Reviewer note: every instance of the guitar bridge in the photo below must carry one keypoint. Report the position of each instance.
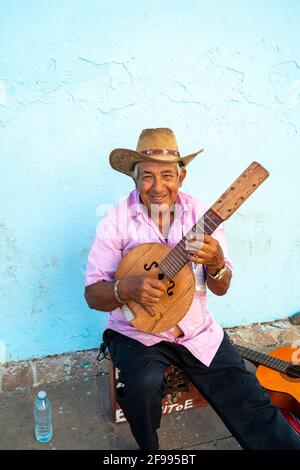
(150, 311)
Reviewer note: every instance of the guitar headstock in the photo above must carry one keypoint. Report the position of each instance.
(240, 190)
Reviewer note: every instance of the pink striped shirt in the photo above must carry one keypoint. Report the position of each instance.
(128, 225)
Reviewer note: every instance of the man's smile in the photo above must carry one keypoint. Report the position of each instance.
(157, 199)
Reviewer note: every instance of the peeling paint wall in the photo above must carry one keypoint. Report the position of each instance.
(78, 79)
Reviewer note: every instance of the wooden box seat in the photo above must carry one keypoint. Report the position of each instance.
(181, 393)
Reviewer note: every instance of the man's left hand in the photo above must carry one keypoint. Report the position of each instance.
(210, 253)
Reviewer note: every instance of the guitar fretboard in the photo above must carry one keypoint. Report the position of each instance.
(179, 256)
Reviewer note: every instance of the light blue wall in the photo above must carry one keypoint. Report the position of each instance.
(79, 78)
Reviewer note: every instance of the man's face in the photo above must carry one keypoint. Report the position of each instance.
(158, 184)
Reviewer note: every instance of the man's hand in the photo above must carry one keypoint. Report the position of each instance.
(209, 253)
(146, 291)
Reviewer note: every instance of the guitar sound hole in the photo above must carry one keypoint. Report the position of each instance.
(172, 285)
(147, 267)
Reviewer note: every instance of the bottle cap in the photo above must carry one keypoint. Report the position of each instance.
(42, 395)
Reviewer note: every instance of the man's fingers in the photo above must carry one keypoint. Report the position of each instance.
(150, 300)
(194, 243)
(197, 260)
(199, 253)
(156, 293)
(157, 285)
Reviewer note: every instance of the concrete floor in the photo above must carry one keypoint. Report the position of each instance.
(82, 420)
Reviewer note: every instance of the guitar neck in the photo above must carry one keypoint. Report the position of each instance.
(221, 210)
(263, 359)
(179, 256)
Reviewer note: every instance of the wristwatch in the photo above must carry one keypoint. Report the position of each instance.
(219, 274)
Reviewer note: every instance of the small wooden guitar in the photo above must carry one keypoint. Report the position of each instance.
(279, 373)
(171, 265)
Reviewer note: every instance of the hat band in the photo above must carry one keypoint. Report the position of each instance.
(161, 152)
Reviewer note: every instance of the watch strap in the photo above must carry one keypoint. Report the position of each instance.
(219, 274)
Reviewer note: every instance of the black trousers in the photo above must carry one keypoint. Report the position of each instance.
(232, 390)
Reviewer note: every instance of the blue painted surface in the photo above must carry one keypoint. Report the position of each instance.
(78, 79)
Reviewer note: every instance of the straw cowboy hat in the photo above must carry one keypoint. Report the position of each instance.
(157, 145)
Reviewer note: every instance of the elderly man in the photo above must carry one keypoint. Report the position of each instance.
(156, 211)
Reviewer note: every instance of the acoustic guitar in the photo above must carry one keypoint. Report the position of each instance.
(172, 266)
(279, 373)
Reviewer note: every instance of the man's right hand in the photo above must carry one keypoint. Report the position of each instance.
(146, 291)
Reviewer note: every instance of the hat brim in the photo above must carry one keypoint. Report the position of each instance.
(124, 160)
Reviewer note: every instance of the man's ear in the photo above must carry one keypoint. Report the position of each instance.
(182, 176)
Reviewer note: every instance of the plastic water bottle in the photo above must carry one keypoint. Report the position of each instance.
(43, 418)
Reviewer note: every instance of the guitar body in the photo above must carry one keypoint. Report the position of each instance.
(143, 261)
(283, 389)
